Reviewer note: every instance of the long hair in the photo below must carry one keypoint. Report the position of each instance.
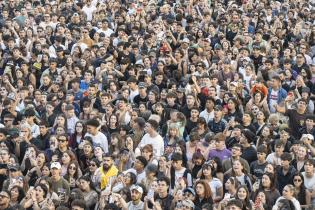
(208, 192)
(246, 202)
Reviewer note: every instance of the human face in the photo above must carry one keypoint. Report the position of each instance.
(237, 166)
(297, 180)
(269, 168)
(162, 186)
(39, 192)
(62, 141)
(177, 164)
(91, 129)
(40, 159)
(236, 151)
(4, 198)
(65, 158)
(287, 192)
(107, 162)
(265, 181)
(309, 168)
(45, 171)
(84, 185)
(87, 149)
(135, 195)
(200, 189)
(242, 194)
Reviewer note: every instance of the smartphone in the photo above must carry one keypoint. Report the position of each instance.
(150, 194)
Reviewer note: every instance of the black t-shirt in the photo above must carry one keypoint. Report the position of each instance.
(257, 169)
(165, 202)
(296, 122)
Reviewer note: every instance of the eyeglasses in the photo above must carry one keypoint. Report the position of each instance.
(72, 167)
(62, 140)
(297, 180)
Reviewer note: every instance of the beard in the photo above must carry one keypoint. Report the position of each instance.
(106, 167)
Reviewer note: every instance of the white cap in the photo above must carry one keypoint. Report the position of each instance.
(55, 165)
(136, 187)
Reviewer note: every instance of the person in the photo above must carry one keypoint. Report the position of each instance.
(249, 152)
(5, 200)
(234, 205)
(163, 194)
(153, 138)
(257, 167)
(236, 155)
(97, 136)
(203, 193)
(285, 171)
(288, 193)
(59, 184)
(136, 202)
(178, 170)
(106, 171)
(220, 150)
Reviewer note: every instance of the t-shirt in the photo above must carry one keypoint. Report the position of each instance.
(99, 139)
(215, 185)
(156, 142)
(222, 154)
(60, 186)
(273, 100)
(309, 182)
(132, 206)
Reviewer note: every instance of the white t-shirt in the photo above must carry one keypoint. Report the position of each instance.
(309, 182)
(156, 142)
(89, 12)
(100, 139)
(133, 94)
(273, 100)
(207, 115)
(215, 184)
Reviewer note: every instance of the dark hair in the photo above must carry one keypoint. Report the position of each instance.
(246, 202)
(79, 203)
(44, 188)
(21, 192)
(164, 179)
(154, 124)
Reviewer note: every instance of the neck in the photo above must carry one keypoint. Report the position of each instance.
(163, 194)
(136, 202)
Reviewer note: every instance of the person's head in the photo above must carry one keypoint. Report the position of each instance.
(288, 191)
(286, 158)
(78, 205)
(130, 178)
(219, 141)
(309, 166)
(177, 161)
(268, 181)
(136, 192)
(231, 184)
(55, 169)
(108, 161)
(247, 137)
(17, 193)
(41, 191)
(298, 180)
(237, 150)
(242, 193)
(4, 198)
(262, 152)
(203, 189)
(189, 193)
(234, 204)
(140, 163)
(85, 183)
(279, 147)
(163, 184)
(151, 126)
(147, 151)
(92, 126)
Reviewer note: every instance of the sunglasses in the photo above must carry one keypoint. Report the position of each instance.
(297, 180)
(62, 140)
(72, 167)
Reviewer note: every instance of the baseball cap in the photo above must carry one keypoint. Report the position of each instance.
(14, 167)
(136, 187)
(141, 85)
(55, 165)
(190, 190)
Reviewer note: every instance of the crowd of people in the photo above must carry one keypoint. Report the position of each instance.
(157, 104)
